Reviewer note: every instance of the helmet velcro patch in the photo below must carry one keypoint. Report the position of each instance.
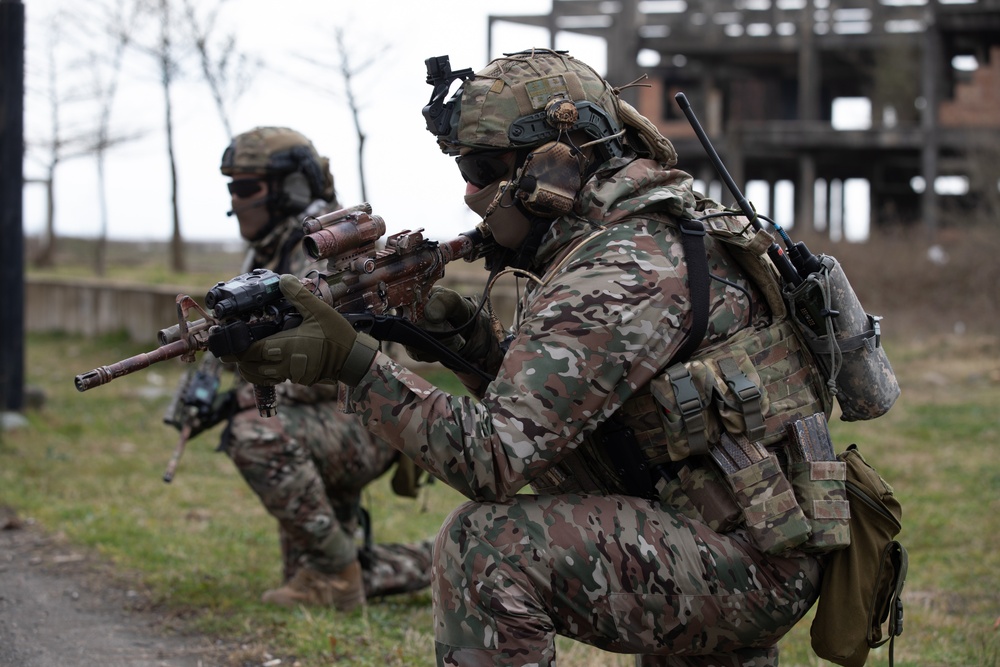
(540, 91)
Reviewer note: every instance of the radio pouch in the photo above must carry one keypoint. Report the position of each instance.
(859, 606)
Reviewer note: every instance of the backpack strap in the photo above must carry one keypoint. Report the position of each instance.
(693, 241)
(893, 565)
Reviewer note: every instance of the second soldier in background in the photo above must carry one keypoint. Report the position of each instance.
(309, 464)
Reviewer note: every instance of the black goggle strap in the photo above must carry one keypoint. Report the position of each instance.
(482, 168)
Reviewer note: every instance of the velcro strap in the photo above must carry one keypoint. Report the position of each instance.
(359, 359)
(821, 345)
(891, 577)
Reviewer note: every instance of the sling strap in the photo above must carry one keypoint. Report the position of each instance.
(693, 241)
(618, 440)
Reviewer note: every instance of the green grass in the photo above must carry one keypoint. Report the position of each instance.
(89, 466)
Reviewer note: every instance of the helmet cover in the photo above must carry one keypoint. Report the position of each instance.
(278, 151)
(505, 103)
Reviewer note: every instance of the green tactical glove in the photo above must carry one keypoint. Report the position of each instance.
(324, 348)
(447, 310)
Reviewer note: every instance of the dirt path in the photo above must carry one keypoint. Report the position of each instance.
(60, 607)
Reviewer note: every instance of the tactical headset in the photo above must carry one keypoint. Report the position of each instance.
(304, 181)
(550, 175)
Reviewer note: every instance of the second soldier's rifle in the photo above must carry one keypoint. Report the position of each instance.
(196, 406)
(380, 291)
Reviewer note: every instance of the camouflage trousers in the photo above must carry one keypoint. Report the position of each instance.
(309, 466)
(616, 572)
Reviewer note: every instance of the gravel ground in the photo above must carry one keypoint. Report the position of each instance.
(61, 607)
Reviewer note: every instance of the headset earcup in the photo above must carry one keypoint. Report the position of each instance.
(296, 191)
(550, 180)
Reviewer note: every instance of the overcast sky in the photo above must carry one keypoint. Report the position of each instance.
(410, 182)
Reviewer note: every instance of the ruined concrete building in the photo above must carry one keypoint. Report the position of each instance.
(766, 77)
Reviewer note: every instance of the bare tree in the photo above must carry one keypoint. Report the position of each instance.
(225, 70)
(349, 71)
(167, 60)
(62, 140)
(164, 46)
(117, 25)
(179, 34)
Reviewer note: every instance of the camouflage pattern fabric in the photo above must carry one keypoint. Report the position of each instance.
(511, 87)
(582, 560)
(309, 465)
(616, 572)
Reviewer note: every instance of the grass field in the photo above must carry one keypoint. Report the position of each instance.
(89, 467)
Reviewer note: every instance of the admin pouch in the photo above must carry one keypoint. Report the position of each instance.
(859, 606)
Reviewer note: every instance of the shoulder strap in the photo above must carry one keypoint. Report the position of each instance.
(618, 440)
(693, 241)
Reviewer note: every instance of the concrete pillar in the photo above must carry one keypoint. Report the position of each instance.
(929, 122)
(623, 49)
(805, 194)
(809, 69)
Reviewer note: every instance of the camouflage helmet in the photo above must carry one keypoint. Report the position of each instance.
(518, 101)
(505, 105)
(276, 152)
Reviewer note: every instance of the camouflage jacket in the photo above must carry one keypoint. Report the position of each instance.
(609, 313)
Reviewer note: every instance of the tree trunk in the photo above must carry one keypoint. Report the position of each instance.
(47, 254)
(176, 242)
(166, 77)
(101, 251)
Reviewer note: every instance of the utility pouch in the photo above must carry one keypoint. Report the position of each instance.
(859, 606)
(752, 385)
(699, 493)
(818, 480)
(771, 512)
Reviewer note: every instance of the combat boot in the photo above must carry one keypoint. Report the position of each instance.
(342, 590)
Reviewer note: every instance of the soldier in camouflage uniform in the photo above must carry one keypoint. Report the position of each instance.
(309, 464)
(584, 202)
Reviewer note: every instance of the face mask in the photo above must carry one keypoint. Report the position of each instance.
(506, 222)
(250, 207)
(254, 220)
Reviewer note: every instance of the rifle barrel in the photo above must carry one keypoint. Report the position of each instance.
(105, 374)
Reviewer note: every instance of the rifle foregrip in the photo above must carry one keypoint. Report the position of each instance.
(267, 399)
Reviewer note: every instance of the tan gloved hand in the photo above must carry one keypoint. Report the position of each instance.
(447, 310)
(324, 348)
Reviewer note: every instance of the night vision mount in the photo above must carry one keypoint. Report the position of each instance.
(436, 112)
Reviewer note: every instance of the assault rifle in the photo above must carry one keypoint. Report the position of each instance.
(380, 291)
(197, 406)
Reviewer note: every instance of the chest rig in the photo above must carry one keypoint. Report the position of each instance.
(735, 434)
